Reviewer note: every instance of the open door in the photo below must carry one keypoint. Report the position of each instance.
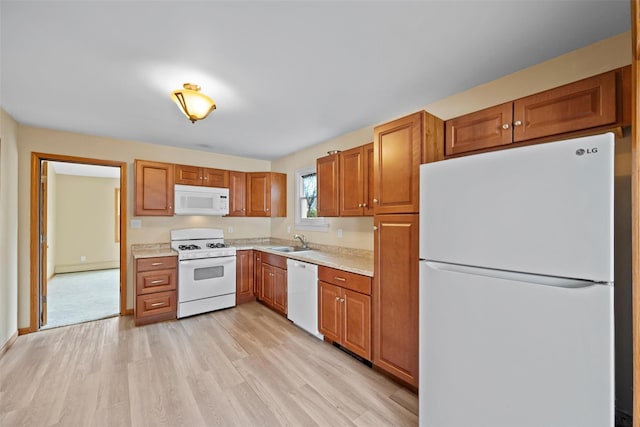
(43, 244)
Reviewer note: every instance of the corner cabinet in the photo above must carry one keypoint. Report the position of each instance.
(399, 147)
(153, 191)
(328, 178)
(344, 309)
(594, 104)
(266, 194)
(395, 296)
(156, 289)
(244, 276)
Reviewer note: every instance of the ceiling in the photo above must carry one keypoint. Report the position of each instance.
(284, 75)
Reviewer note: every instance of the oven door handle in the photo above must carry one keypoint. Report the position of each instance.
(200, 262)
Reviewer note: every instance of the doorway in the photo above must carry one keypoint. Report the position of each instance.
(78, 272)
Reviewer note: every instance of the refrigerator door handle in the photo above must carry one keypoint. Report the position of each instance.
(536, 279)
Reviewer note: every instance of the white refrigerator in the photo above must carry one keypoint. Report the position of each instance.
(516, 287)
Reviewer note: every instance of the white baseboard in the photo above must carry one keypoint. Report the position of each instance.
(87, 266)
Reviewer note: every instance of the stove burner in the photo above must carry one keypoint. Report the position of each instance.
(188, 247)
(216, 245)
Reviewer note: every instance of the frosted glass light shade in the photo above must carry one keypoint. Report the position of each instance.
(193, 103)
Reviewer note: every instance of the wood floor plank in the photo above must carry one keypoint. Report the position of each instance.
(244, 366)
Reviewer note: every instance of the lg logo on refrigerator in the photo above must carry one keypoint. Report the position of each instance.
(582, 151)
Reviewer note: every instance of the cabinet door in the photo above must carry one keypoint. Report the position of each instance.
(188, 175)
(280, 290)
(356, 314)
(153, 188)
(237, 193)
(267, 284)
(396, 165)
(368, 179)
(351, 189)
(257, 268)
(244, 276)
(329, 310)
(581, 105)
(395, 296)
(215, 178)
(258, 194)
(327, 172)
(486, 128)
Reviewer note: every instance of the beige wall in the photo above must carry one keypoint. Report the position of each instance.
(86, 223)
(8, 227)
(153, 230)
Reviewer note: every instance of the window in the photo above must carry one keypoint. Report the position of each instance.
(307, 202)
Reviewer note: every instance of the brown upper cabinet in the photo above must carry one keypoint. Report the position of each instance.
(194, 175)
(356, 181)
(398, 149)
(596, 103)
(345, 182)
(328, 182)
(153, 193)
(237, 193)
(266, 194)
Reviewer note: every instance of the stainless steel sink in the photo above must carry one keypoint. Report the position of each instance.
(289, 249)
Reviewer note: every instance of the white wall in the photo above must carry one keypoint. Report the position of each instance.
(8, 227)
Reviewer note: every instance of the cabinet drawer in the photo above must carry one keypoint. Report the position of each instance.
(275, 260)
(160, 304)
(157, 263)
(155, 281)
(345, 279)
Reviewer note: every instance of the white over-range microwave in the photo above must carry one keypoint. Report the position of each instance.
(195, 200)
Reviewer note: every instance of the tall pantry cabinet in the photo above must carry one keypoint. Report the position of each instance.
(399, 148)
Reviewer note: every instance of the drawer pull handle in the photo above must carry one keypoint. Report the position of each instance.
(156, 281)
(155, 264)
(156, 304)
(342, 279)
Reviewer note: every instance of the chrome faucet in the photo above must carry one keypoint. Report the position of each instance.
(302, 240)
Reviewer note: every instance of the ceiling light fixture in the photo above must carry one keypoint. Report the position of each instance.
(193, 103)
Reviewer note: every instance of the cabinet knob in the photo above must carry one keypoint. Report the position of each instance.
(267, 209)
(341, 299)
(206, 178)
(517, 123)
(505, 126)
(359, 205)
(364, 205)
(375, 201)
(337, 298)
(375, 228)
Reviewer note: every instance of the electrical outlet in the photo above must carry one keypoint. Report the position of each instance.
(83, 258)
(289, 229)
(230, 229)
(136, 223)
(339, 233)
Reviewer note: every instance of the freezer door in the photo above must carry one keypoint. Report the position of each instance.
(543, 209)
(508, 351)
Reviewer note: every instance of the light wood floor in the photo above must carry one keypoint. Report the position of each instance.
(244, 366)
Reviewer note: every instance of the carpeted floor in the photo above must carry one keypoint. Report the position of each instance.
(83, 296)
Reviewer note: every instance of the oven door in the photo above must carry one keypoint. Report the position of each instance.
(205, 278)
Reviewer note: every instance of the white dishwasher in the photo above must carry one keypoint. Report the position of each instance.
(302, 295)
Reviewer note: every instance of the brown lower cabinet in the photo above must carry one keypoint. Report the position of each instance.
(344, 309)
(395, 296)
(156, 290)
(272, 288)
(244, 276)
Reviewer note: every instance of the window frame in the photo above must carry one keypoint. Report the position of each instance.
(307, 224)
